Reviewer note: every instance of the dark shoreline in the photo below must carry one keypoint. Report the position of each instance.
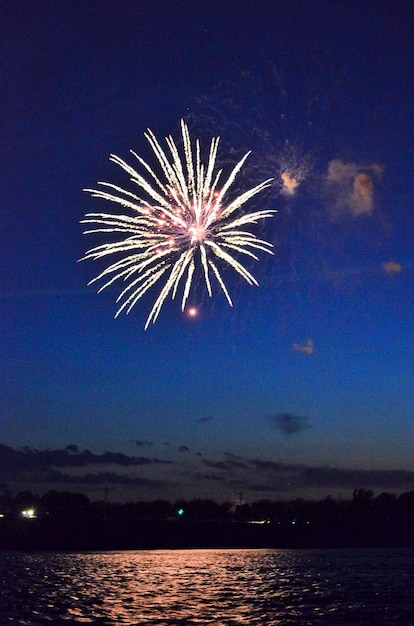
(85, 535)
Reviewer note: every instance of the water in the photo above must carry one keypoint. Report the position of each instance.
(198, 587)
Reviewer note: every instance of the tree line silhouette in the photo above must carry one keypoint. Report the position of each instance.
(63, 519)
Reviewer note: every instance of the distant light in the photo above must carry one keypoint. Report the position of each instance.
(180, 512)
(29, 514)
(1, 514)
(192, 312)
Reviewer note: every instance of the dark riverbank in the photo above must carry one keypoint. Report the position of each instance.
(69, 521)
(68, 535)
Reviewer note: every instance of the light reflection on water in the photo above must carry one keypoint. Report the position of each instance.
(199, 587)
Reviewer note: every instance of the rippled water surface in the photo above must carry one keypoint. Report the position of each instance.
(220, 587)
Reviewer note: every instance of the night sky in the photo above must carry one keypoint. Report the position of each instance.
(304, 387)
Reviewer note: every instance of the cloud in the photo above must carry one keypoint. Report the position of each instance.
(227, 464)
(303, 476)
(256, 476)
(204, 420)
(211, 477)
(42, 470)
(98, 478)
(293, 167)
(217, 477)
(362, 197)
(289, 424)
(391, 268)
(305, 348)
(289, 184)
(29, 459)
(340, 172)
(143, 442)
(184, 448)
(350, 188)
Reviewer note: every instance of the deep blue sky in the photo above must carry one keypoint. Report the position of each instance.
(305, 387)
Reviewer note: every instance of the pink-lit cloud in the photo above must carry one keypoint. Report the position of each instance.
(350, 188)
(391, 268)
(306, 348)
(289, 184)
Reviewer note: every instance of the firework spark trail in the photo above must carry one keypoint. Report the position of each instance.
(180, 223)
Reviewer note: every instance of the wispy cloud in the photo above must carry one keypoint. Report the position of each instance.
(33, 460)
(98, 478)
(183, 448)
(391, 268)
(293, 168)
(304, 476)
(218, 477)
(204, 420)
(306, 348)
(350, 188)
(289, 424)
(289, 184)
(226, 464)
(258, 476)
(143, 443)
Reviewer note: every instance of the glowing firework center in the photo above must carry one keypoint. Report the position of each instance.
(197, 233)
(178, 216)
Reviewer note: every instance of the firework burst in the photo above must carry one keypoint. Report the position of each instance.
(178, 224)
